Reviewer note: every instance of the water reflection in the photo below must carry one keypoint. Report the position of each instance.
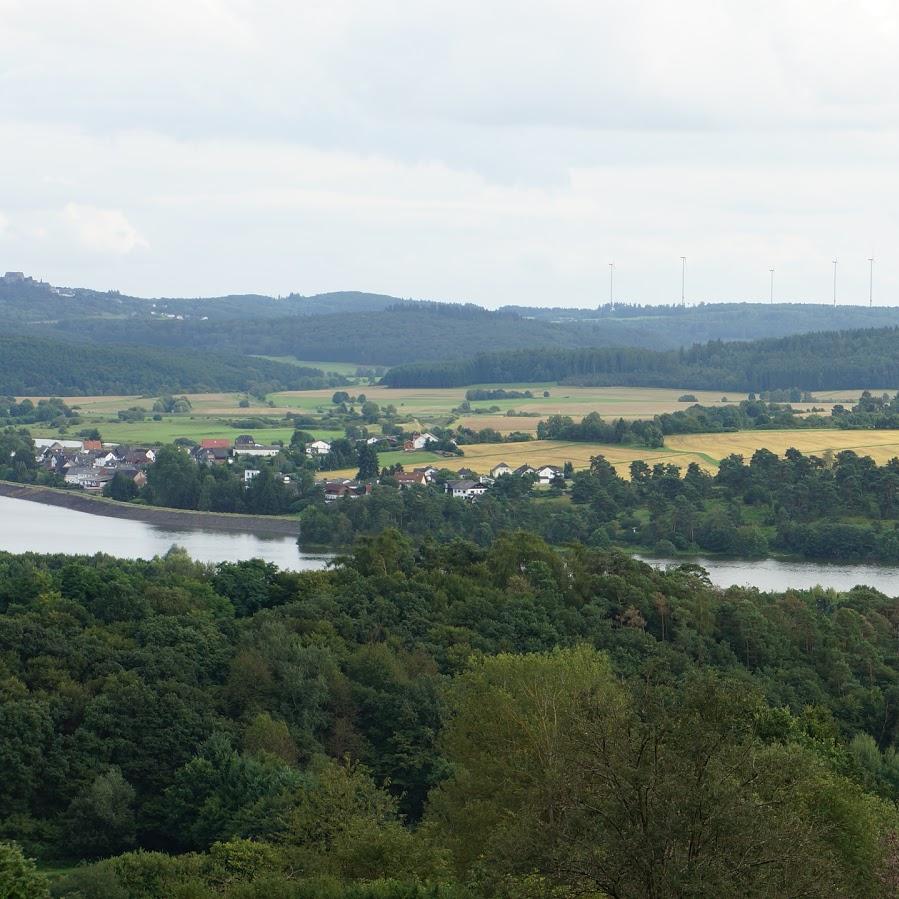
(32, 527)
(775, 575)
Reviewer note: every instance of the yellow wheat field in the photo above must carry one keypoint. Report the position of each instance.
(879, 445)
(705, 449)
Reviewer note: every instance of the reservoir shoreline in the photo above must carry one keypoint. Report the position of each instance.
(161, 517)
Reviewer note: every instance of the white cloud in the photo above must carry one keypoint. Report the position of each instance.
(102, 230)
(500, 152)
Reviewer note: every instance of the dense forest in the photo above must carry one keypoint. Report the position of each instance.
(237, 323)
(400, 333)
(444, 721)
(30, 366)
(827, 360)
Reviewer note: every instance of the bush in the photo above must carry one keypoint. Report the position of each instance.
(19, 878)
(665, 548)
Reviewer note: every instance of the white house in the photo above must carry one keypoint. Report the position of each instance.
(318, 448)
(500, 469)
(420, 441)
(249, 474)
(466, 489)
(103, 460)
(546, 473)
(257, 450)
(87, 477)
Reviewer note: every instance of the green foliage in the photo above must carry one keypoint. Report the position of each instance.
(172, 480)
(101, 816)
(53, 412)
(121, 488)
(19, 878)
(425, 715)
(31, 365)
(368, 463)
(636, 791)
(790, 504)
(221, 793)
(827, 359)
(172, 404)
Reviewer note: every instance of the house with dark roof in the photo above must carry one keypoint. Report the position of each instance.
(546, 474)
(466, 489)
(212, 455)
(335, 490)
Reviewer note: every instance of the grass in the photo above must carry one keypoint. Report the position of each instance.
(624, 402)
(58, 870)
(348, 369)
(170, 428)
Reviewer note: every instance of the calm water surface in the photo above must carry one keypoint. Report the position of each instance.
(774, 575)
(32, 527)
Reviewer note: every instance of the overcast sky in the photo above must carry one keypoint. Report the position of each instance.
(492, 151)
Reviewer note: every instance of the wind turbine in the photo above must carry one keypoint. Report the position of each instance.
(870, 281)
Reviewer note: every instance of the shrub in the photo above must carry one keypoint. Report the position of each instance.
(19, 878)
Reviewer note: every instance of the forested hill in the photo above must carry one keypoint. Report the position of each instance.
(35, 366)
(673, 326)
(379, 329)
(401, 333)
(825, 360)
(33, 302)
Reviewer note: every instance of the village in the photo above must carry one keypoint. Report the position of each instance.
(93, 466)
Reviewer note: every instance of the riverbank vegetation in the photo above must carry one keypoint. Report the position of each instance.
(839, 508)
(379, 730)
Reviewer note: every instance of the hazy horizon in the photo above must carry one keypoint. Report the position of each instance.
(499, 155)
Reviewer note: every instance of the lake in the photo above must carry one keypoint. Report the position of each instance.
(33, 527)
(776, 575)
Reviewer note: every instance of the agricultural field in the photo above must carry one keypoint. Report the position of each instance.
(880, 445)
(705, 449)
(211, 416)
(610, 402)
(347, 369)
(213, 413)
(481, 457)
